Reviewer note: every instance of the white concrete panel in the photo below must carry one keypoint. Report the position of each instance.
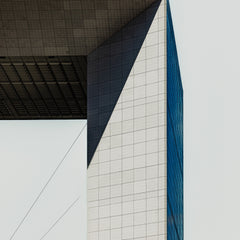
(136, 162)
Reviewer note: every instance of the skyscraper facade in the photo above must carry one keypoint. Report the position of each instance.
(115, 64)
(135, 173)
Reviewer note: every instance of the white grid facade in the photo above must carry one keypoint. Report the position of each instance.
(127, 177)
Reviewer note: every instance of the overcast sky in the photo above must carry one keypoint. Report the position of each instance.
(30, 152)
(208, 38)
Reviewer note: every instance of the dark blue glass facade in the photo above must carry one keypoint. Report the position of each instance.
(174, 138)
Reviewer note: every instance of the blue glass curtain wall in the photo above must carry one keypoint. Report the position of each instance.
(174, 138)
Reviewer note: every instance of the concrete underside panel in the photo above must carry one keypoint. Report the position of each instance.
(62, 27)
(43, 87)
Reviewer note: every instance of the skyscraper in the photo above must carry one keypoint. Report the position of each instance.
(115, 64)
(135, 176)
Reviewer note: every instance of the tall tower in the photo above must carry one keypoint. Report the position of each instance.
(115, 64)
(135, 132)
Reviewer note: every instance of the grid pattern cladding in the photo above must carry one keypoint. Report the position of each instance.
(43, 87)
(174, 138)
(62, 27)
(108, 69)
(127, 175)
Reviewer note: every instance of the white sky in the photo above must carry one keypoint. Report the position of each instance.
(208, 39)
(30, 152)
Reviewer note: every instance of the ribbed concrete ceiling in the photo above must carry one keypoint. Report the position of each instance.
(62, 27)
(43, 87)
